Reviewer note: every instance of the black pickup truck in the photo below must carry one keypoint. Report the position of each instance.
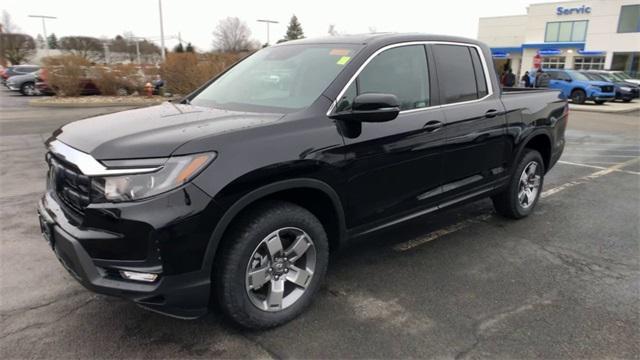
(237, 195)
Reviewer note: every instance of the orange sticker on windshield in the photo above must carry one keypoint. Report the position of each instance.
(339, 52)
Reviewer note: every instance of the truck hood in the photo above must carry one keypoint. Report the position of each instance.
(155, 131)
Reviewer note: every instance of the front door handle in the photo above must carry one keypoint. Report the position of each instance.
(491, 113)
(433, 125)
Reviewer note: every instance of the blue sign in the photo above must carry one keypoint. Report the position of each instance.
(546, 52)
(591, 52)
(500, 55)
(570, 11)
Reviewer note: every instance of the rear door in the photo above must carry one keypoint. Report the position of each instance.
(475, 154)
(393, 168)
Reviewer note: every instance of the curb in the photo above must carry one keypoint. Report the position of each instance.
(622, 111)
(36, 103)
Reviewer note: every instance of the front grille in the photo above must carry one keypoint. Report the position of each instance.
(69, 184)
(606, 88)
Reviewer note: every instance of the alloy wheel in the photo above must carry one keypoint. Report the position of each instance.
(529, 185)
(280, 269)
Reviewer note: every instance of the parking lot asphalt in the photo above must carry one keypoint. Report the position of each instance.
(465, 283)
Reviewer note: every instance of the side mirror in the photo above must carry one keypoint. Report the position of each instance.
(371, 107)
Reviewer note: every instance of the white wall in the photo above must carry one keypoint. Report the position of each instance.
(601, 31)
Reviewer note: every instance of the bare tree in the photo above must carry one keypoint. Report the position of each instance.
(87, 47)
(232, 35)
(16, 48)
(8, 26)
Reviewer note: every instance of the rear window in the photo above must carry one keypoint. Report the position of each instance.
(460, 73)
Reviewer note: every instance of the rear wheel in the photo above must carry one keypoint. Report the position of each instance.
(522, 194)
(626, 100)
(273, 261)
(578, 96)
(28, 89)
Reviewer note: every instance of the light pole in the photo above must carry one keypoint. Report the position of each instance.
(161, 30)
(268, 22)
(44, 29)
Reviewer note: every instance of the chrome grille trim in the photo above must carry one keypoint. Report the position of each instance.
(88, 165)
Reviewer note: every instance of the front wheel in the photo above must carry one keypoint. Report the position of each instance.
(522, 194)
(578, 96)
(600, 102)
(28, 89)
(271, 266)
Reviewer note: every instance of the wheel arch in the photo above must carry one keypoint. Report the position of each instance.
(541, 142)
(315, 195)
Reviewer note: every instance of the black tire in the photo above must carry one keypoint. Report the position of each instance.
(599, 102)
(578, 96)
(507, 202)
(28, 89)
(238, 249)
(626, 100)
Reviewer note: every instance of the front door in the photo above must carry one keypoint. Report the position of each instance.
(392, 168)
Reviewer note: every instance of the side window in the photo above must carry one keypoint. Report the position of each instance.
(456, 73)
(481, 80)
(400, 71)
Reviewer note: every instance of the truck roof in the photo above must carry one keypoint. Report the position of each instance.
(374, 38)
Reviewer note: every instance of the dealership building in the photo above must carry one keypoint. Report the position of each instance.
(590, 34)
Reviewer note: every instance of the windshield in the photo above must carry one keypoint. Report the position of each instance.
(594, 76)
(578, 76)
(621, 76)
(278, 79)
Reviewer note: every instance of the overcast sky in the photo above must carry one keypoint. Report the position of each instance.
(195, 20)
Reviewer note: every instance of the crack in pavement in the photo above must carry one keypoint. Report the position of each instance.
(582, 264)
(38, 324)
(484, 327)
(22, 310)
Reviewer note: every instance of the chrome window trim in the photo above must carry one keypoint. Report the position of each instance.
(90, 166)
(410, 43)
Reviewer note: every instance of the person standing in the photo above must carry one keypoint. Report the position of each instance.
(510, 78)
(526, 80)
(542, 78)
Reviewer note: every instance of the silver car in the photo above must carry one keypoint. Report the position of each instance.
(25, 84)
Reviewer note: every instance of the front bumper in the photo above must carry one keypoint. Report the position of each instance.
(12, 87)
(601, 96)
(180, 290)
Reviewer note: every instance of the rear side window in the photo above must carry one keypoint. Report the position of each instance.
(481, 80)
(460, 73)
(401, 71)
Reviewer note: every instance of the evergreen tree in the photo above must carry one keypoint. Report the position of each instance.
(178, 48)
(52, 41)
(189, 48)
(294, 30)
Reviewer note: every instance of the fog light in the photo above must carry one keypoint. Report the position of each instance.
(138, 276)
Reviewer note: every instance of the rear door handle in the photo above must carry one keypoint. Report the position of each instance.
(491, 113)
(433, 125)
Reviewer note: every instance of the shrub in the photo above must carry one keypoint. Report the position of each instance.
(117, 79)
(65, 74)
(185, 72)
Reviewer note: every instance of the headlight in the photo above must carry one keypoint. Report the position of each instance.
(625, 88)
(596, 88)
(175, 172)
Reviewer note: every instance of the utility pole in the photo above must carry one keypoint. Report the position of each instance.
(44, 29)
(268, 22)
(161, 30)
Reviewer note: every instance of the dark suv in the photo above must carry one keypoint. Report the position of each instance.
(238, 194)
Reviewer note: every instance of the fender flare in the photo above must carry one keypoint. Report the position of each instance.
(526, 140)
(261, 192)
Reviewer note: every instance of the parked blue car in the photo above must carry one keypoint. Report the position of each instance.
(579, 88)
